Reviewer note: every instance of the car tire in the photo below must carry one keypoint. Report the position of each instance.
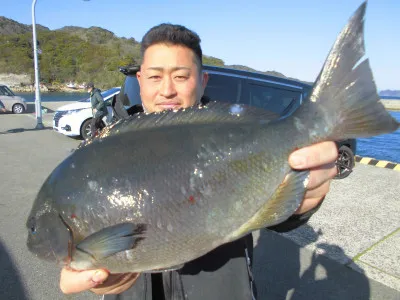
(345, 162)
(18, 108)
(86, 129)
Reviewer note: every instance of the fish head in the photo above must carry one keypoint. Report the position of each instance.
(49, 237)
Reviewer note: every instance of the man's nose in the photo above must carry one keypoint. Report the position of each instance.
(167, 88)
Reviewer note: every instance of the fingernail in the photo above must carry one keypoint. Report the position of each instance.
(297, 160)
(99, 277)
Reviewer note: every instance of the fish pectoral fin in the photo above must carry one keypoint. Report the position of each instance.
(173, 268)
(113, 239)
(283, 203)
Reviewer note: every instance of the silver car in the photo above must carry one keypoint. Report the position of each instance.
(11, 102)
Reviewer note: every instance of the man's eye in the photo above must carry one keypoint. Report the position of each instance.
(181, 77)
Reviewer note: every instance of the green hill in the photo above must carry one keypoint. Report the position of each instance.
(75, 54)
(8, 26)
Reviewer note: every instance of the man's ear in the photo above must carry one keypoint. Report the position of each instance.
(204, 80)
(138, 76)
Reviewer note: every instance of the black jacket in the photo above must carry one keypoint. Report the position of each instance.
(97, 102)
(223, 273)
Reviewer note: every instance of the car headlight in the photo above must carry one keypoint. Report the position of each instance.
(72, 111)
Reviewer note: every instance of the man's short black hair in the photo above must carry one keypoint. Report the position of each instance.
(166, 33)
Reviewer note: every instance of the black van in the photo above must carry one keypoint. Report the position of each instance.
(280, 95)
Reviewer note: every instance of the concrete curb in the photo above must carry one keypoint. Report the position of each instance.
(378, 163)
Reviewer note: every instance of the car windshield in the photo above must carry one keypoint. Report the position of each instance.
(4, 90)
(105, 94)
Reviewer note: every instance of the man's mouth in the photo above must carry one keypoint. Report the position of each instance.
(169, 105)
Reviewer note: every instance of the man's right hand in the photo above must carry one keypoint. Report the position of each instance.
(98, 281)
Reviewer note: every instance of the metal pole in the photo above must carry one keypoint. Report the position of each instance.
(38, 106)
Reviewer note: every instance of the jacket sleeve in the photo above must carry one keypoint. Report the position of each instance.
(295, 221)
(99, 101)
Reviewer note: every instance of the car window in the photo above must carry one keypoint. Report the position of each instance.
(130, 92)
(5, 91)
(223, 88)
(273, 98)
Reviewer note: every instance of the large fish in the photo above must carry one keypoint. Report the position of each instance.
(159, 190)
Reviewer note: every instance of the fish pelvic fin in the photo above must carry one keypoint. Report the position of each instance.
(113, 239)
(283, 203)
(344, 102)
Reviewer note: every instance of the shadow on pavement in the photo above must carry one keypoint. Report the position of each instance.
(283, 271)
(31, 108)
(19, 130)
(11, 286)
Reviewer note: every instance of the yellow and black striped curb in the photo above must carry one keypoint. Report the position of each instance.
(378, 163)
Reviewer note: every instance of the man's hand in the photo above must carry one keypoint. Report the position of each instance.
(97, 281)
(320, 159)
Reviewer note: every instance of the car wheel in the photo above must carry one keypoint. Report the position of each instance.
(86, 129)
(345, 162)
(18, 108)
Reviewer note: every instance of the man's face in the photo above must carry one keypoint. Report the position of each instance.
(169, 78)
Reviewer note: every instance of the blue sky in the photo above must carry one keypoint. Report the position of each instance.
(289, 36)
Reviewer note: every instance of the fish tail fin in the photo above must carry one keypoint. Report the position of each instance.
(344, 102)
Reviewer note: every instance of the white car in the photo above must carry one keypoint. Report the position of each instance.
(74, 119)
(11, 102)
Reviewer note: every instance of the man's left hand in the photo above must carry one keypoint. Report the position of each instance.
(320, 159)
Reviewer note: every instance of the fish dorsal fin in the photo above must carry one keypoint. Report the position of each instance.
(219, 112)
(280, 206)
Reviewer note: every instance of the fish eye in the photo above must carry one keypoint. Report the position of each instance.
(32, 226)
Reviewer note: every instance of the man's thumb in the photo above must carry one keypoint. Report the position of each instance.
(79, 281)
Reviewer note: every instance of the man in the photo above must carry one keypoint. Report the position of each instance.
(171, 77)
(99, 109)
(2, 107)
